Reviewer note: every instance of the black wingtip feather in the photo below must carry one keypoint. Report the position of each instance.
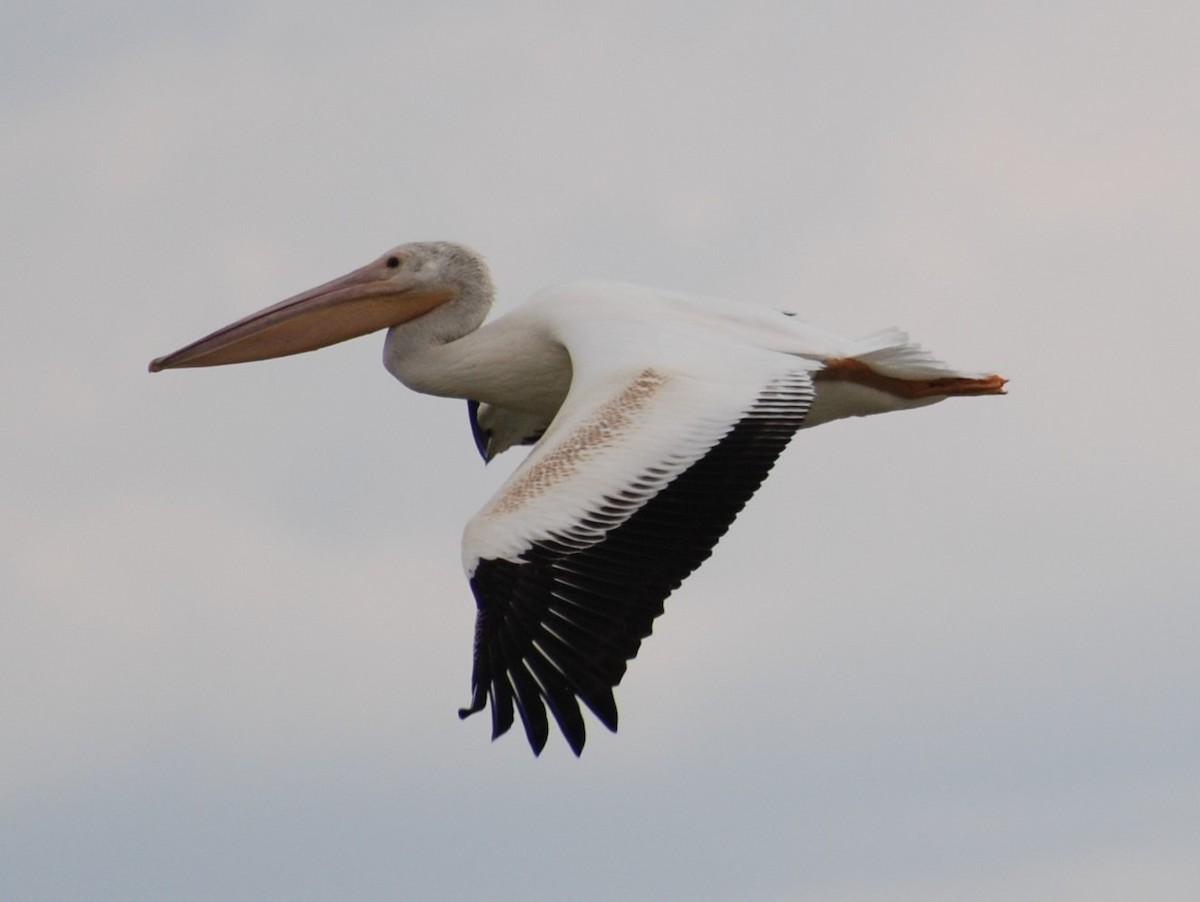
(477, 432)
(562, 624)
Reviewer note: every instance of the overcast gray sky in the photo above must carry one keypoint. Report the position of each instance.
(944, 655)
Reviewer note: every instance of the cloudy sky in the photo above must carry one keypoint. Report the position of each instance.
(944, 655)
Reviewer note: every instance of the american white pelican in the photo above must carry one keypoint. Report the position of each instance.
(654, 417)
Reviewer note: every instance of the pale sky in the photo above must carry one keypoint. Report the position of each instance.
(947, 654)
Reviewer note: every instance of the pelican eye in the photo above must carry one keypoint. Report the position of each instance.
(393, 262)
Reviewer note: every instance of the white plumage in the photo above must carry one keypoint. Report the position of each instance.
(654, 417)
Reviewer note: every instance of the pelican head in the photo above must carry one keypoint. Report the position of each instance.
(407, 282)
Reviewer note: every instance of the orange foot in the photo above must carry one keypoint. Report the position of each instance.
(848, 369)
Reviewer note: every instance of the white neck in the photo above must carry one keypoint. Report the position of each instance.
(504, 363)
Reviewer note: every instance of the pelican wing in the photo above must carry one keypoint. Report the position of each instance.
(635, 481)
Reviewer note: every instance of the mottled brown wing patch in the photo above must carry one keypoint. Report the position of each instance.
(605, 425)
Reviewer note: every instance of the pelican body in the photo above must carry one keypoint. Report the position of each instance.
(653, 417)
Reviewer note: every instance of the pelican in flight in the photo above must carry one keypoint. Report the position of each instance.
(653, 415)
